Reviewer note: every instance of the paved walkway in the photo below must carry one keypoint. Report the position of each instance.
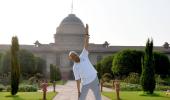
(69, 92)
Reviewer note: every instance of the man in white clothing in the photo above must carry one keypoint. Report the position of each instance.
(84, 71)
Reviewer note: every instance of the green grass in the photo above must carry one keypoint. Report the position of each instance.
(26, 96)
(137, 95)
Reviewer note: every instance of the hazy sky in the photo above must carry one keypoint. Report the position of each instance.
(120, 22)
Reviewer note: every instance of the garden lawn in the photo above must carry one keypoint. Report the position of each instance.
(137, 95)
(26, 96)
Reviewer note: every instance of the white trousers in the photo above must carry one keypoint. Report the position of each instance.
(94, 86)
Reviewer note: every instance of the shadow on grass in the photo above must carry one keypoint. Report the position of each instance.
(15, 97)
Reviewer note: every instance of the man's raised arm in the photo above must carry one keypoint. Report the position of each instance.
(86, 38)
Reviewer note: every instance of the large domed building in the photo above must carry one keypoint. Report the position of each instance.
(70, 33)
(69, 36)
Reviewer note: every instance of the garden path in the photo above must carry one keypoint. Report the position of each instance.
(69, 92)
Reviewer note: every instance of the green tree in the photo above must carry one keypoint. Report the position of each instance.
(161, 64)
(55, 74)
(51, 72)
(105, 66)
(15, 68)
(1, 56)
(148, 75)
(40, 65)
(6, 66)
(27, 62)
(127, 61)
(98, 67)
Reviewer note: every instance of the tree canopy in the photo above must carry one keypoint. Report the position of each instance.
(127, 61)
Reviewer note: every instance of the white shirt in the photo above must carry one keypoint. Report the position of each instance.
(84, 70)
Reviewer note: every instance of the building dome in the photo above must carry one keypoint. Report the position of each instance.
(71, 25)
(71, 18)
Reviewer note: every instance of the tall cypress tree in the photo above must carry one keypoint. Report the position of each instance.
(15, 68)
(148, 73)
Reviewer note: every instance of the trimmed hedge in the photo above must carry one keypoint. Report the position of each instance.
(25, 88)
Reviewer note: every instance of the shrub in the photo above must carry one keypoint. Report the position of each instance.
(133, 78)
(6, 80)
(108, 84)
(124, 86)
(106, 77)
(162, 88)
(32, 80)
(130, 87)
(8, 88)
(24, 88)
(2, 87)
(35, 79)
(27, 88)
(167, 81)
